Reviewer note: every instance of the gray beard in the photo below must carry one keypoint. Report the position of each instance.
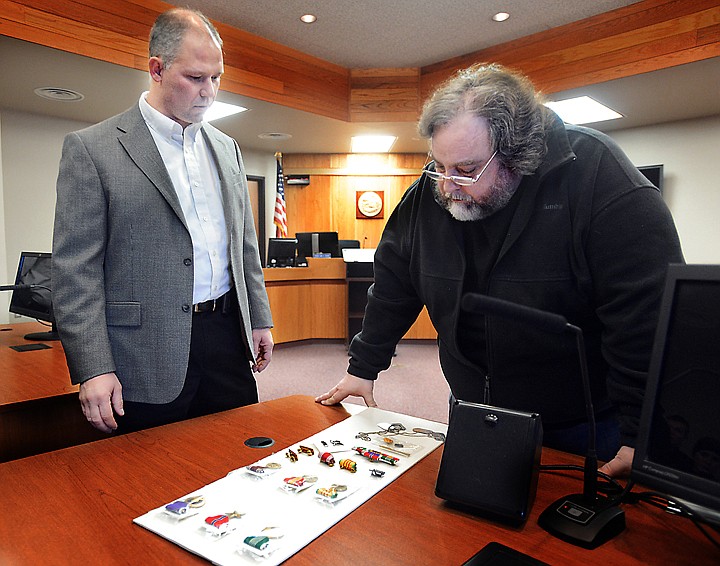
(468, 210)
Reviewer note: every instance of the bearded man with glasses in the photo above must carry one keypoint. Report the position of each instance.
(517, 205)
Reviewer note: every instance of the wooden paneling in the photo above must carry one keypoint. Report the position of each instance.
(305, 310)
(117, 32)
(379, 95)
(642, 37)
(310, 303)
(639, 38)
(328, 202)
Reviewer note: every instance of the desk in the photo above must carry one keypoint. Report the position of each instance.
(39, 407)
(311, 302)
(77, 505)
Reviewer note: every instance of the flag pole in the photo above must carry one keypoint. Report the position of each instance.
(280, 214)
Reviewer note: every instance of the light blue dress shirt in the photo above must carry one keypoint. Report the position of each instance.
(194, 175)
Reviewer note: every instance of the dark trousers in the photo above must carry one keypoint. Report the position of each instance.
(574, 439)
(218, 377)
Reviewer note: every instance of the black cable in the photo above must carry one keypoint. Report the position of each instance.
(674, 507)
(654, 498)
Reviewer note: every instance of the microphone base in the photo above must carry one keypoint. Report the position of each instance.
(42, 336)
(587, 524)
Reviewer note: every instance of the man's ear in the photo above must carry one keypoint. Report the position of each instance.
(155, 66)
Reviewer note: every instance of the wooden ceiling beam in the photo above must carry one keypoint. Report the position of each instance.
(639, 38)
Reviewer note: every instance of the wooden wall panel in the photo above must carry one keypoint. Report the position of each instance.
(328, 202)
(307, 311)
(379, 95)
(639, 38)
(117, 32)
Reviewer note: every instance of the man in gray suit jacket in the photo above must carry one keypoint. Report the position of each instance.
(157, 283)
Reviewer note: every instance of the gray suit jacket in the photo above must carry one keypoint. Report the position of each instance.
(123, 257)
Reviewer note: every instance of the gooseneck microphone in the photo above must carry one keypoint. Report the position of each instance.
(584, 518)
(18, 287)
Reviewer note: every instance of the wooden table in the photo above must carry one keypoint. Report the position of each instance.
(39, 407)
(76, 506)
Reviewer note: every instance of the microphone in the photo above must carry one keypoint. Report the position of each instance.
(17, 287)
(583, 518)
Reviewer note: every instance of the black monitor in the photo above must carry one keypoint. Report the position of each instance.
(348, 244)
(678, 447)
(654, 174)
(36, 302)
(317, 244)
(281, 252)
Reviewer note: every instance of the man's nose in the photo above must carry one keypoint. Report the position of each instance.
(207, 89)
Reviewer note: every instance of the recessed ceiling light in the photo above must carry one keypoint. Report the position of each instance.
(274, 136)
(372, 144)
(501, 17)
(308, 18)
(582, 110)
(61, 94)
(222, 110)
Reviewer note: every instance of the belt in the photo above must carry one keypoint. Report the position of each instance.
(221, 303)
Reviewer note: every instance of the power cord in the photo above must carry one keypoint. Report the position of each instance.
(674, 507)
(618, 494)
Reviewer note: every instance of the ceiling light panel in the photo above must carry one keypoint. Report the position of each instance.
(582, 110)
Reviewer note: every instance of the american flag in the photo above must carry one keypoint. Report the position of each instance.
(280, 216)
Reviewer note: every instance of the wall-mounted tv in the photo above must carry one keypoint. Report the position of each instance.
(654, 174)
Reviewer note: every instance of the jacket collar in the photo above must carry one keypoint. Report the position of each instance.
(135, 137)
(559, 151)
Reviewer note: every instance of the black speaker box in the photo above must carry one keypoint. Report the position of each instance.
(491, 460)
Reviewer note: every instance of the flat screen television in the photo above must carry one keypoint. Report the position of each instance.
(317, 244)
(678, 447)
(654, 174)
(281, 252)
(348, 244)
(34, 268)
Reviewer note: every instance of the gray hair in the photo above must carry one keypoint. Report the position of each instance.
(170, 28)
(509, 102)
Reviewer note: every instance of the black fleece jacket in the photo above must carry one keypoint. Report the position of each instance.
(590, 239)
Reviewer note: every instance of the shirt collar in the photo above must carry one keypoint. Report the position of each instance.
(164, 126)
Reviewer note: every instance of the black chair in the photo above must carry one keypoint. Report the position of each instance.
(342, 244)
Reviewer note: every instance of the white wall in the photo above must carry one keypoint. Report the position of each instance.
(264, 165)
(30, 150)
(690, 153)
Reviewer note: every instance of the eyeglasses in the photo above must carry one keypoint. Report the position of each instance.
(458, 180)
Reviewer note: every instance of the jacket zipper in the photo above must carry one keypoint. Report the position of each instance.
(487, 396)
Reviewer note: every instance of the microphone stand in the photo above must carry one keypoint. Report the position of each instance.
(584, 519)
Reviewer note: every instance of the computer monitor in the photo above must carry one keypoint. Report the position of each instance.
(281, 252)
(348, 245)
(317, 244)
(34, 268)
(678, 447)
(654, 174)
